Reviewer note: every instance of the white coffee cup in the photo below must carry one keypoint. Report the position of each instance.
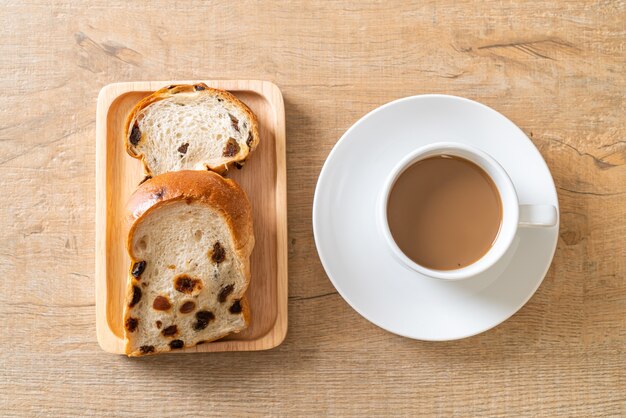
(514, 215)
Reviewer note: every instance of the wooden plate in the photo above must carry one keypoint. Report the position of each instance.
(263, 178)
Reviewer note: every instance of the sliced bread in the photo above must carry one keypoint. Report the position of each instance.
(190, 127)
(190, 240)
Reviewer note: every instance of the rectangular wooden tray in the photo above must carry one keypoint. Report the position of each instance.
(263, 178)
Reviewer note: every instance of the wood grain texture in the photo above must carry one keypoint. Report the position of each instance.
(263, 180)
(554, 68)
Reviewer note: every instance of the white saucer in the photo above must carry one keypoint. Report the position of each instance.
(356, 257)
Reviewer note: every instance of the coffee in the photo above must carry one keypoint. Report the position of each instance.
(444, 212)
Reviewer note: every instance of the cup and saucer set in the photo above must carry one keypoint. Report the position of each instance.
(358, 249)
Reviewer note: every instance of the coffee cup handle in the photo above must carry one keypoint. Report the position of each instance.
(537, 215)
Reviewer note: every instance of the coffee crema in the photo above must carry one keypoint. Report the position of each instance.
(444, 212)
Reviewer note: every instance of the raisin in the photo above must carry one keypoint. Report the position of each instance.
(161, 303)
(249, 140)
(203, 318)
(136, 296)
(138, 268)
(188, 306)
(234, 122)
(170, 331)
(218, 254)
(183, 148)
(177, 344)
(131, 324)
(135, 135)
(235, 308)
(186, 284)
(159, 193)
(145, 349)
(145, 179)
(199, 87)
(220, 100)
(231, 148)
(159, 324)
(224, 292)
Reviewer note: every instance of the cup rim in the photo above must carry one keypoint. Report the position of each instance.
(503, 240)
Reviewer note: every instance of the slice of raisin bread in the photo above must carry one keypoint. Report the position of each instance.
(189, 242)
(190, 127)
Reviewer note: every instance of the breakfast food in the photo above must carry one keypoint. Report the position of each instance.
(189, 242)
(190, 127)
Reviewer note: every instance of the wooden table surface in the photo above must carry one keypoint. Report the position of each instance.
(554, 68)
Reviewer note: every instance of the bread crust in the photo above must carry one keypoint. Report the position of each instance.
(191, 89)
(205, 187)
